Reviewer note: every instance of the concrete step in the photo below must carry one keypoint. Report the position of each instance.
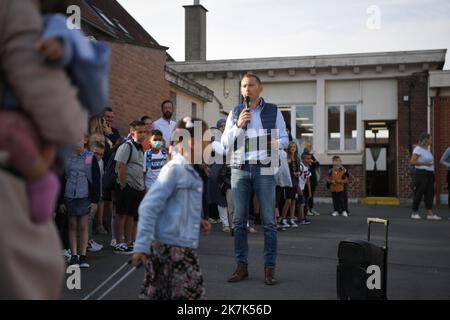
(387, 201)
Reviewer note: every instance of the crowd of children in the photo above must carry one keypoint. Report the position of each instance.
(129, 168)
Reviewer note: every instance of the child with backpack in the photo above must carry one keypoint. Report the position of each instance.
(130, 186)
(170, 222)
(81, 190)
(154, 158)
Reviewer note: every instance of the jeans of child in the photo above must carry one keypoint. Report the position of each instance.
(243, 181)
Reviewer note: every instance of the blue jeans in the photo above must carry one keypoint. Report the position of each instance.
(243, 181)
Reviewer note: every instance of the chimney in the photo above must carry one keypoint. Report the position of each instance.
(195, 37)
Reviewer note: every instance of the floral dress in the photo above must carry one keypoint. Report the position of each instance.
(172, 273)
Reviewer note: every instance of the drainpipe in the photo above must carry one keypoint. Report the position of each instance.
(437, 143)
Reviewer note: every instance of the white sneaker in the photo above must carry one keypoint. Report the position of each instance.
(113, 243)
(252, 230)
(213, 221)
(285, 224)
(309, 213)
(345, 214)
(67, 254)
(293, 223)
(416, 216)
(314, 212)
(433, 217)
(335, 214)
(94, 246)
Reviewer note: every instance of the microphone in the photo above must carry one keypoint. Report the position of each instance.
(247, 101)
(247, 107)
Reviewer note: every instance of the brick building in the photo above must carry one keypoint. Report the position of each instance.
(440, 101)
(368, 108)
(139, 81)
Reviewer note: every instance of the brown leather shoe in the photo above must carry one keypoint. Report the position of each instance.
(270, 276)
(240, 274)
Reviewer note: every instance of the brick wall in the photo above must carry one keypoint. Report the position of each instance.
(443, 129)
(419, 103)
(357, 187)
(137, 83)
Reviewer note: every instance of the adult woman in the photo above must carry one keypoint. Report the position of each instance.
(423, 161)
(99, 130)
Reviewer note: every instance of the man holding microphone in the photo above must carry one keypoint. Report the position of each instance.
(254, 132)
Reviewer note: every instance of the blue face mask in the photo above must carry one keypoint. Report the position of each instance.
(157, 145)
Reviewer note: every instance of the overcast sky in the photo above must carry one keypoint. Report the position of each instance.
(262, 28)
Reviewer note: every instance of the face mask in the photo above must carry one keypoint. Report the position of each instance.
(157, 145)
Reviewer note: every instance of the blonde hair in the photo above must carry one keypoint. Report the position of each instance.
(96, 125)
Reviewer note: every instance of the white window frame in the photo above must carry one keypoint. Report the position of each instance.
(342, 127)
(293, 110)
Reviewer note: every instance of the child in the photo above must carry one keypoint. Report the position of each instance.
(81, 196)
(337, 180)
(97, 147)
(304, 186)
(283, 181)
(169, 225)
(130, 187)
(289, 192)
(87, 65)
(154, 159)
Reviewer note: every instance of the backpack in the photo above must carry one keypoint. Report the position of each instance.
(110, 174)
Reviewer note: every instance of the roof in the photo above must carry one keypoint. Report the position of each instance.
(320, 61)
(440, 79)
(115, 23)
(189, 86)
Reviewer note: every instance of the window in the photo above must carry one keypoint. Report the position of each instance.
(121, 26)
(351, 132)
(194, 110)
(343, 131)
(334, 128)
(104, 17)
(304, 125)
(301, 121)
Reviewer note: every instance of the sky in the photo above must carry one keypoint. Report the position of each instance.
(240, 29)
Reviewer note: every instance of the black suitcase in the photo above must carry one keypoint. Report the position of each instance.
(353, 272)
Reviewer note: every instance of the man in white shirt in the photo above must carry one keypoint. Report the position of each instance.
(165, 124)
(245, 137)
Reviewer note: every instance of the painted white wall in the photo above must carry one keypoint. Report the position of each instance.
(380, 100)
(212, 113)
(221, 87)
(184, 104)
(290, 93)
(342, 91)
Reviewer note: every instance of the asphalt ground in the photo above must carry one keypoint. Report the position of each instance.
(419, 259)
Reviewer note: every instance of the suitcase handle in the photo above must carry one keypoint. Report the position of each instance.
(381, 221)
